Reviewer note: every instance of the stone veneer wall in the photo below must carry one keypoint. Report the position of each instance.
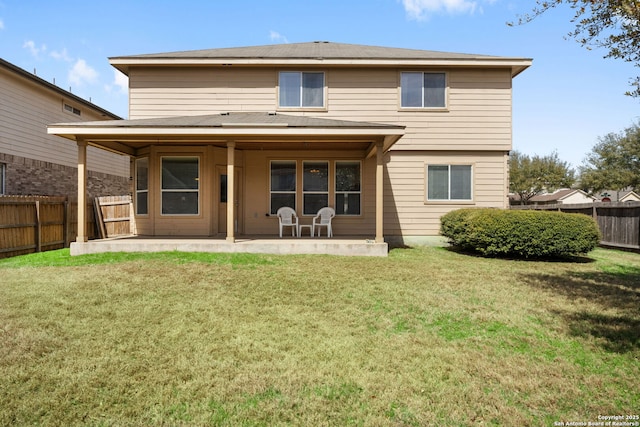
(34, 177)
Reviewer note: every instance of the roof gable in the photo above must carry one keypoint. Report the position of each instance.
(559, 195)
(631, 196)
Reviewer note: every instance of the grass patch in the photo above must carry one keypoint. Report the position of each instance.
(426, 336)
(63, 258)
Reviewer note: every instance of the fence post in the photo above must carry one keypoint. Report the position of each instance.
(65, 222)
(38, 228)
(638, 218)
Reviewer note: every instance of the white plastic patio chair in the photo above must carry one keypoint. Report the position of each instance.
(323, 219)
(287, 218)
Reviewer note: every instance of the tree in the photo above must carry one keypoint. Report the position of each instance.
(530, 176)
(614, 162)
(610, 24)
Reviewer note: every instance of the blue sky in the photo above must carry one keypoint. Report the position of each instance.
(564, 102)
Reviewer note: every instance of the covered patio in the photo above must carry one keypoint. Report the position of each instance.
(233, 145)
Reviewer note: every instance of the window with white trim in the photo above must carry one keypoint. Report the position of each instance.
(299, 89)
(423, 90)
(348, 188)
(282, 186)
(142, 186)
(315, 186)
(324, 183)
(449, 183)
(180, 185)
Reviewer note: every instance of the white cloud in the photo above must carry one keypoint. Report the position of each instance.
(82, 73)
(35, 50)
(120, 81)
(421, 9)
(277, 37)
(63, 55)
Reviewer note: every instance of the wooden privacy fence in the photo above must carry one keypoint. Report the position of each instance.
(619, 222)
(39, 223)
(113, 216)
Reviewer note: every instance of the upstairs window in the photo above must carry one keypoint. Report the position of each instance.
(301, 89)
(449, 182)
(423, 90)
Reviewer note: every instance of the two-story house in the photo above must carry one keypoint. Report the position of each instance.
(35, 163)
(391, 138)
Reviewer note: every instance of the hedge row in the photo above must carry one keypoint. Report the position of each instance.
(520, 233)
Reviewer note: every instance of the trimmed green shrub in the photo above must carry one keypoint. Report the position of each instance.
(520, 233)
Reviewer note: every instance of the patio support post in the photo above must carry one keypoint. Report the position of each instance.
(82, 191)
(231, 192)
(379, 193)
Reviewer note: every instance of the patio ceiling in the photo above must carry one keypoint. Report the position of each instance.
(249, 131)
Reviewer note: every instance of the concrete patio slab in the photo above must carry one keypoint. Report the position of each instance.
(356, 246)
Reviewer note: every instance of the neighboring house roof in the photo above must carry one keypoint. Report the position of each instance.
(320, 53)
(618, 196)
(123, 135)
(630, 196)
(558, 196)
(41, 82)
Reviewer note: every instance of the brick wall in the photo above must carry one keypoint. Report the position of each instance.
(34, 177)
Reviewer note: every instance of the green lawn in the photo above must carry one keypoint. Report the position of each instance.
(426, 336)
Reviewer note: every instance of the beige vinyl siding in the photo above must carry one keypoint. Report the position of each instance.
(475, 129)
(478, 116)
(25, 111)
(406, 210)
(364, 95)
(198, 91)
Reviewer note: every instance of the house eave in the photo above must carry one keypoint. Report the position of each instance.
(72, 132)
(124, 136)
(517, 65)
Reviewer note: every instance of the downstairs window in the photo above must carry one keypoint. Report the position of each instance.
(180, 188)
(449, 182)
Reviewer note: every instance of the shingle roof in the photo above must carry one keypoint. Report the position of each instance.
(316, 53)
(123, 136)
(245, 119)
(557, 195)
(311, 50)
